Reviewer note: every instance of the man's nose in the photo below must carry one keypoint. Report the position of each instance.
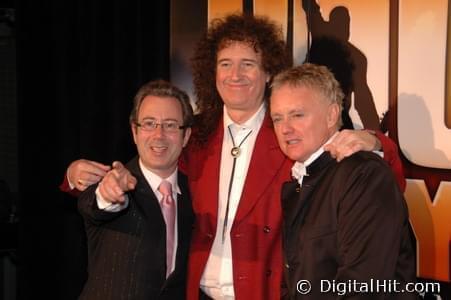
(235, 72)
(286, 127)
(159, 131)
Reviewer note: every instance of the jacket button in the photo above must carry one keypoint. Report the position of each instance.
(268, 273)
(266, 229)
(298, 190)
(209, 235)
(287, 266)
(242, 277)
(238, 235)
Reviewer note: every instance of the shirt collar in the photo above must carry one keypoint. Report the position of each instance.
(154, 180)
(299, 169)
(253, 123)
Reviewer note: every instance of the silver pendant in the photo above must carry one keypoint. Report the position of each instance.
(235, 151)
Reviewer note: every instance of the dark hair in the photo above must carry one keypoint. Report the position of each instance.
(260, 33)
(161, 88)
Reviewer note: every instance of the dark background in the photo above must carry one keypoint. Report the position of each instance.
(69, 71)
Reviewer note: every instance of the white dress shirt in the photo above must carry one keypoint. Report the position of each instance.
(217, 279)
(154, 182)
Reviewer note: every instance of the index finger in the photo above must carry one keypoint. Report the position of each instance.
(98, 165)
(96, 169)
(118, 165)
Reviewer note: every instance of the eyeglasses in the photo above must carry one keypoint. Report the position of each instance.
(166, 126)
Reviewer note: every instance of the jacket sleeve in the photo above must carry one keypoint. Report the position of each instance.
(373, 227)
(391, 156)
(88, 208)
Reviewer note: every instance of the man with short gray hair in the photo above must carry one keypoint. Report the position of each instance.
(343, 222)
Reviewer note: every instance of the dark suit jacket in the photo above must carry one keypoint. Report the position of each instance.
(127, 249)
(348, 221)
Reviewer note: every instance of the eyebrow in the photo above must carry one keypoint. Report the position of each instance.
(296, 110)
(244, 59)
(223, 59)
(154, 119)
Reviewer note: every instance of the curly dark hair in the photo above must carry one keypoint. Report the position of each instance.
(259, 32)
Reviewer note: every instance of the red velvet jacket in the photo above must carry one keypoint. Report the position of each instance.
(256, 231)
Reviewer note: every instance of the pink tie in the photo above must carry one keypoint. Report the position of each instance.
(168, 209)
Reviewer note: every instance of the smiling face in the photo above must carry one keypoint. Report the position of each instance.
(240, 79)
(159, 150)
(303, 120)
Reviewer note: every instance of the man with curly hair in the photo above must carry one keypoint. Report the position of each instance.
(234, 165)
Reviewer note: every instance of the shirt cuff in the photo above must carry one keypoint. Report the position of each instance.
(68, 181)
(110, 207)
(380, 153)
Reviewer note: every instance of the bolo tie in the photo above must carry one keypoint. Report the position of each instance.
(235, 152)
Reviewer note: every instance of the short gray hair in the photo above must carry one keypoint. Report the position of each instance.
(313, 76)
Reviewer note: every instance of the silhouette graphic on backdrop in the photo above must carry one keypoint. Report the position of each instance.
(330, 47)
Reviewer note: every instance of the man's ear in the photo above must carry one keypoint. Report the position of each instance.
(134, 130)
(186, 136)
(333, 114)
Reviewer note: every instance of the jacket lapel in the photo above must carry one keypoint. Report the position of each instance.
(295, 199)
(203, 175)
(212, 163)
(185, 218)
(184, 210)
(267, 159)
(143, 196)
(290, 201)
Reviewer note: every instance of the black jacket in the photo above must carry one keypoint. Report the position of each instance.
(127, 249)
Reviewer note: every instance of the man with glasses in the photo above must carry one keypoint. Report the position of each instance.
(138, 243)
